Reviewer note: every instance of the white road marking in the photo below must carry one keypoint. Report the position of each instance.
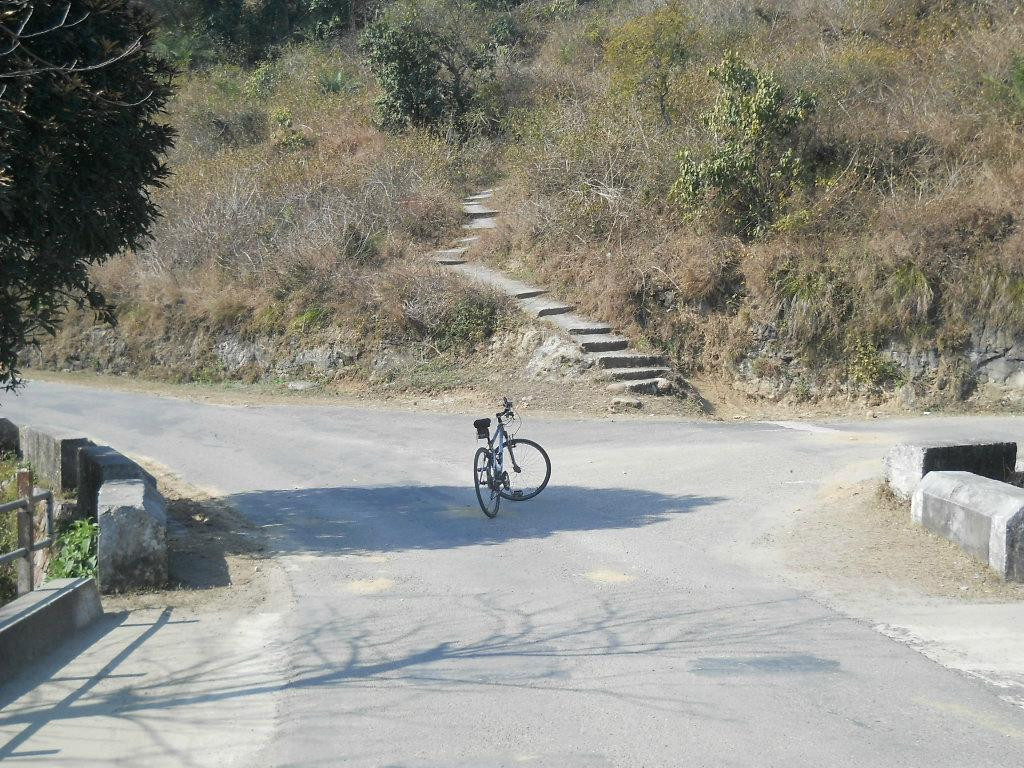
(804, 427)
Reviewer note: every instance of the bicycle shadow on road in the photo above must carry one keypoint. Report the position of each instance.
(394, 518)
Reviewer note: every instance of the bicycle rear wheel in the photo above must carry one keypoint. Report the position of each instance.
(486, 487)
(527, 471)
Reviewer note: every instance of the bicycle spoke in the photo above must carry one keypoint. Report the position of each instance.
(528, 470)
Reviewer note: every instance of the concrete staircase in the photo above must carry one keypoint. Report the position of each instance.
(627, 371)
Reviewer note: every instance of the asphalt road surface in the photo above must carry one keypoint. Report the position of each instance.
(618, 619)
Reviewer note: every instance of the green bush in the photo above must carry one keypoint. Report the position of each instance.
(260, 83)
(433, 61)
(472, 320)
(337, 82)
(646, 53)
(867, 366)
(408, 75)
(753, 162)
(76, 551)
(248, 30)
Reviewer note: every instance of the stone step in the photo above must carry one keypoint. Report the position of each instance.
(631, 374)
(642, 387)
(483, 223)
(478, 210)
(468, 240)
(604, 343)
(495, 279)
(629, 360)
(546, 307)
(449, 255)
(528, 293)
(580, 326)
(486, 194)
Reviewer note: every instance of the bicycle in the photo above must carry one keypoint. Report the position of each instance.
(531, 467)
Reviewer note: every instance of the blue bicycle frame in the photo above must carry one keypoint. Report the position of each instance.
(497, 445)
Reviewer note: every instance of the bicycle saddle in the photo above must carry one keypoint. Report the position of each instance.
(482, 428)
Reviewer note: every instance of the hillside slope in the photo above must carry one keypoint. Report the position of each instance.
(804, 199)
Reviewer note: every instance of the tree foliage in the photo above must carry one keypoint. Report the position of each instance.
(81, 142)
(647, 52)
(753, 162)
(248, 30)
(433, 60)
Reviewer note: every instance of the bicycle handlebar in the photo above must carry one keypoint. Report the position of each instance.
(508, 408)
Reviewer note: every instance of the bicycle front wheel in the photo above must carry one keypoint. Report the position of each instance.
(527, 470)
(486, 484)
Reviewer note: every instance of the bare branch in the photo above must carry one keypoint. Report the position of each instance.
(67, 69)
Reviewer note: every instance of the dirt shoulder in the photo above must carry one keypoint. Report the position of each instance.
(216, 557)
(856, 550)
(857, 539)
(710, 398)
(583, 397)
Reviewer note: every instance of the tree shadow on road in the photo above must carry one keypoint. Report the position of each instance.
(501, 645)
(397, 518)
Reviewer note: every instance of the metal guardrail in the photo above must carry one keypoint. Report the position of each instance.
(26, 534)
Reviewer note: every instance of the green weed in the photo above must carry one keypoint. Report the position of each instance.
(309, 320)
(76, 551)
(866, 365)
(8, 529)
(471, 320)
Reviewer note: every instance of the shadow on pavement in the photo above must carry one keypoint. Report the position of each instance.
(506, 641)
(397, 518)
(376, 668)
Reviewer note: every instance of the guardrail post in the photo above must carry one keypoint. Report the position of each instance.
(26, 531)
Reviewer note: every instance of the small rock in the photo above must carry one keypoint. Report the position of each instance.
(626, 403)
(301, 386)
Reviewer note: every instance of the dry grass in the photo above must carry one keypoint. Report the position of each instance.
(911, 233)
(290, 222)
(291, 216)
(865, 540)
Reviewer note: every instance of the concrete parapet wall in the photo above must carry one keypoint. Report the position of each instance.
(53, 454)
(99, 464)
(39, 621)
(132, 547)
(984, 517)
(907, 464)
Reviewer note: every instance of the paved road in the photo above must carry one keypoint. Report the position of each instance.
(615, 620)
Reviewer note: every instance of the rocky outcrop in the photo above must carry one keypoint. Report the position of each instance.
(990, 364)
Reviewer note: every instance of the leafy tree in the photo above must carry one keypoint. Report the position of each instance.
(647, 52)
(249, 29)
(754, 161)
(432, 60)
(404, 61)
(81, 142)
